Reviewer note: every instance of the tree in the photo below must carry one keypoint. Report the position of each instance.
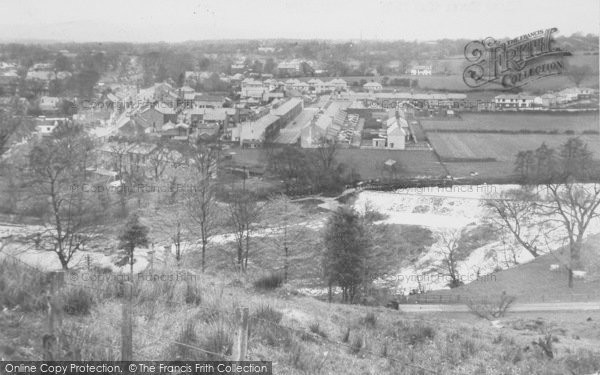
(451, 253)
(346, 246)
(201, 197)
(578, 73)
(243, 212)
(285, 216)
(134, 234)
(58, 171)
(566, 203)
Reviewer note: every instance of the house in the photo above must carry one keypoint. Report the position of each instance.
(209, 101)
(251, 88)
(572, 94)
(288, 110)
(514, 101)
(178, 131)
(49, 103)
(46, 125)
(155, 117)
(9, 81)
(421, 70)
(396, 136)
(294, 68)
(372, 86)
(548, 100)
(311, 136)
(338, 84)
(253, 133)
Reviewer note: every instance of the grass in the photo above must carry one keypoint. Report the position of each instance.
(578, 122)
(450, 346)
(269, 282)
(501, 147)
(534, 282)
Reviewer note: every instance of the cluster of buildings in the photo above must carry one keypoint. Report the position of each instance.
(549, 100)
(270, 88)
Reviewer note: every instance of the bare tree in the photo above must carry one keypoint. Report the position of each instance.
(515, 211)
(285, 216)
(575, 205)
(57, 165)
(565, 203)
(451, 252)
(201, 195)
(243, 215)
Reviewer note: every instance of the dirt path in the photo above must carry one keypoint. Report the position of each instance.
(523, 307)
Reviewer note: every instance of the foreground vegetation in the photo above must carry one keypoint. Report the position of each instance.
(299, 334)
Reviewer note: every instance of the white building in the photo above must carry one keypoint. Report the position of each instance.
(421, 70)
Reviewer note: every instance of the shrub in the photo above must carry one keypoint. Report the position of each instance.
(193, 296)
(420, 333)
(21, 287)
(492, 308)
(77, 301)
(269, 282)
(266, 312)
(370, 320)
(265, 326)
(357, 345)
(316, 328)
(181, 350)
(346, 337)
(217, 340)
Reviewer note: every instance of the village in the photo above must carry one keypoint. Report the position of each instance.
(254, 110)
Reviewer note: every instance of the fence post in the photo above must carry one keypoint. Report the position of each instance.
(127, 324)
(240, 345)
(49, 340)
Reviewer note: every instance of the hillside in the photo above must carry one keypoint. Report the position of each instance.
(192, 320)
(534, 282)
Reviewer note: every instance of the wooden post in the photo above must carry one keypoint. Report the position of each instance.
(240, 346)
(127, 324)
(49, 340)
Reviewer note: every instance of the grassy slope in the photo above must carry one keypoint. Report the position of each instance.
(534, 282)
(464, 345)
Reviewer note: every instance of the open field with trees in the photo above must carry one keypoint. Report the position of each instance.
(497, 147)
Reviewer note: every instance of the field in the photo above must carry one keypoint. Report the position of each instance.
(368, 163)
(501, 147)
(577, 122)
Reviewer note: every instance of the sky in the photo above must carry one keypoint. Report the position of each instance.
(183, 20)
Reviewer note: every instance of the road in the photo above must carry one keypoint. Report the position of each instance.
(520, 307)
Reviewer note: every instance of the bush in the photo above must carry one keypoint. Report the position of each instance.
(357, 345)
(77, 301)
(21, 287)
(370, 320)
(420, 333)
(193, 296)
(265, 326)
(180, 350)
(316, 329)
(492, 308)
(217, 340)
(269, 282)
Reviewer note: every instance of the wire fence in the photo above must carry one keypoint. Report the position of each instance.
(240, 316)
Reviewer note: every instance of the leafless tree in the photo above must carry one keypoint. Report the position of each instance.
(451, 252)
(201, 194)
(515, 211)
(243, 215)
(573, 205)
(563, 201)
(57, 165)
